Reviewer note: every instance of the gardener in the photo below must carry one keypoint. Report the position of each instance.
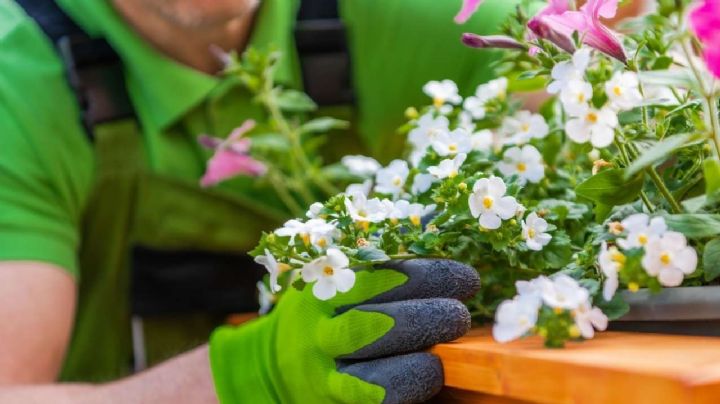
(81, 183)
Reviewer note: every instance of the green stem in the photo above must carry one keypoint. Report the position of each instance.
(660, 184)
(626, 160)
(284, 195)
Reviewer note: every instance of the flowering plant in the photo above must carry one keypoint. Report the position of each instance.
(613, 182)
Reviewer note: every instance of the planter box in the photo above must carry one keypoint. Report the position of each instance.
(682, 311)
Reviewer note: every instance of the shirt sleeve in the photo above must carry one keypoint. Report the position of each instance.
(39, 215)
(46, 161)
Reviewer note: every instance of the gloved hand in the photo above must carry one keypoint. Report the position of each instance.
(358, 347)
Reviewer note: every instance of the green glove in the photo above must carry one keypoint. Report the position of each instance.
(358, 347)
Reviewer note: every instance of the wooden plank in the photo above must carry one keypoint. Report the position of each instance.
(615, 367)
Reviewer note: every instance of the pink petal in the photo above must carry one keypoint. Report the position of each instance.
(600, 8)
(491, 41)
(712, 58)
(226, 164)
(469, 7)
(209, 142)
(241, 130)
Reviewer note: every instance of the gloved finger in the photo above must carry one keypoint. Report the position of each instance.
(410, 378)
(411, 279)
(377, 330)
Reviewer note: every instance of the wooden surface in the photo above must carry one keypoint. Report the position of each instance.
(615, 367)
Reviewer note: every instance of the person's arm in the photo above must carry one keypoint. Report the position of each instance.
(37, 303)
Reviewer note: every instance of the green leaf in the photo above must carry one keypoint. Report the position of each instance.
(711, 171)
(371, 254)
(711, 260)
(299, 284)
(610, 188)
(668, 78)
(658, 152)
(615, 308)
(662, 63)
(324, 124)
(269, 142)
(295, 101)
(695, 225)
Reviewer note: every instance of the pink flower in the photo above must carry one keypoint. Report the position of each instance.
(705, 22)
(469, 7)
(554, 7)
(231, 156)
(557, 26)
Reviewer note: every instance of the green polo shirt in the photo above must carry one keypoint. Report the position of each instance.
(48, 168)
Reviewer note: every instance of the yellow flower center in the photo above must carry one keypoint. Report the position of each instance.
(305, 238)
(364, 225)
(591, 117)
(521, 167)
(415, 219)
(525, 127)
(397, 181)
(453, 148)
(618, 257)
(322, 242)
(328, 271)
(581, 98)
(438, 102)
(617, 90)
(531, 233)
(453, 173)
(283, 267)
(642, 239)
(488, 202)
(665, 258)
(633, 287)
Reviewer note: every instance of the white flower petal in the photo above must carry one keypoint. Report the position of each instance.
(344, 279)
(324, 288)
(490, 221)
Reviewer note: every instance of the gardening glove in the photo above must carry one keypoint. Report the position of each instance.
(363, 346)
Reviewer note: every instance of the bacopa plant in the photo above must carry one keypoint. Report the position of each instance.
(613, 183)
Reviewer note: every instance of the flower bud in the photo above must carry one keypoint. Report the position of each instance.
(491, 41)
(411, 113)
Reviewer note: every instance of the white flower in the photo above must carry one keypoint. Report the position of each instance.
(565, 293)
(526, 163)
(640, 229)
(669, 258)
(427, 130)
(364, 188)
(533, 288)
(588, 318)
(330, 274)
(515, 318)
(414, 212)
(421, 183)
(361, 165)
(611, 261)
(496, 88)
(273, 267)
(597, 126)
(576, 96)
(322, 233)
(391, 179)
(465, 121)
(314, 210)
(482, 140)
(452, 143)
(489, 203)
(523, 126)
(533, 232)
(493, 89)
(317, 232)
(623, 90)
(362, 210)
(448, 168)
(265, 298)
(442, 92)
(565, 72)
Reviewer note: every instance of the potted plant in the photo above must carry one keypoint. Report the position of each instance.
(612, 184)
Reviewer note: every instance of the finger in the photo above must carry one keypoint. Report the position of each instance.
(413, 279)
(410, 378)
(376, 330)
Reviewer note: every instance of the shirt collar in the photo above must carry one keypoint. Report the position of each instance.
(162, 89)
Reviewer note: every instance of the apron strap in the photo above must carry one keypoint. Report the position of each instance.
(94, 70)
